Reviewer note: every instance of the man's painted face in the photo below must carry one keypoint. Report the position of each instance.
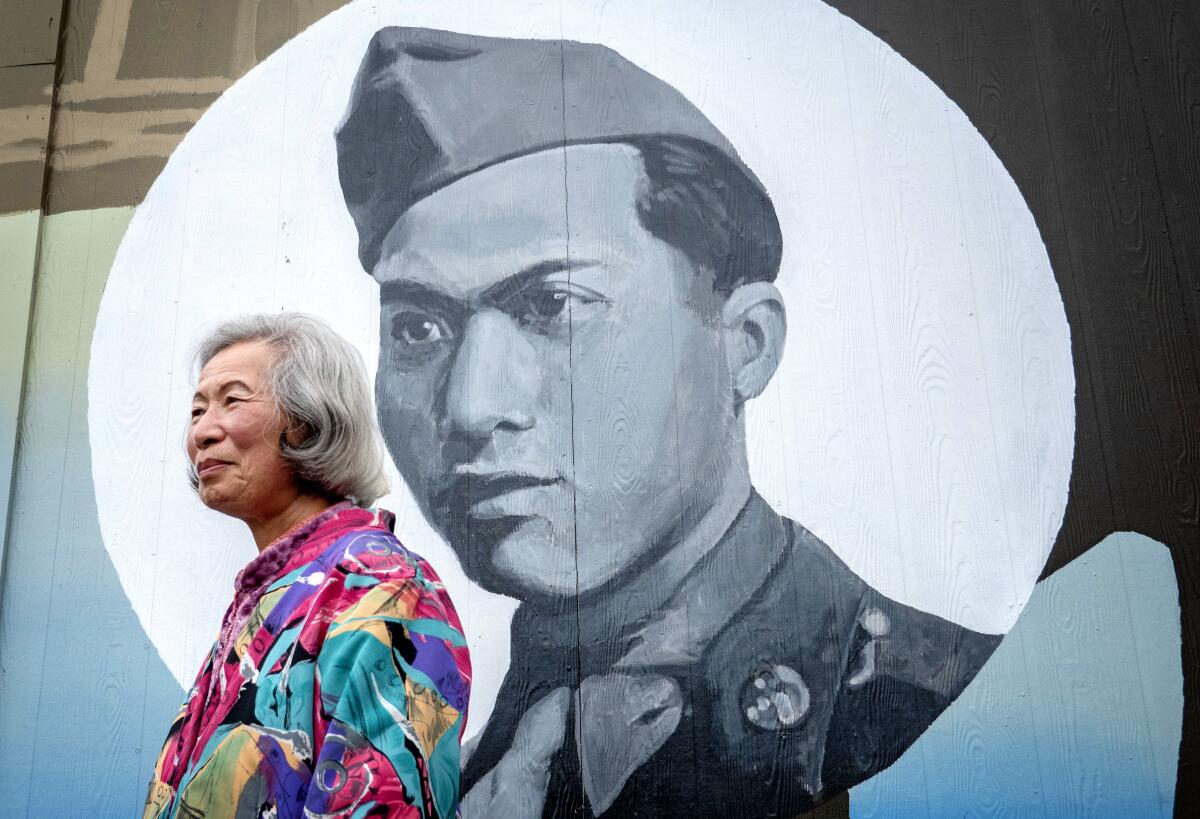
(551, 380)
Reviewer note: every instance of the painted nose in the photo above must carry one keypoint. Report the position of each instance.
(492, 382)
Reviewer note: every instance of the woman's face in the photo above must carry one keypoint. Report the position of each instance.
(233, 439)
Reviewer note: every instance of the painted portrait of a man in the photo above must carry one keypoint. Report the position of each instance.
(577, 304)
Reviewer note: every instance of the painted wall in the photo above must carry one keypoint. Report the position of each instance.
(113, 578)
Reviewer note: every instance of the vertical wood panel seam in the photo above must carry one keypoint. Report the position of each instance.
(58, 529)
(577, 695)
(1100, 437)
(22, 372)
(1137, 663)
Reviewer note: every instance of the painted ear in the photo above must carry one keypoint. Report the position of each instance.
(754, 324)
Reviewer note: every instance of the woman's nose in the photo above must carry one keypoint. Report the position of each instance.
(205, 431)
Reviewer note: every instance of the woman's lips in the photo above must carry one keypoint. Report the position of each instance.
(208, 468)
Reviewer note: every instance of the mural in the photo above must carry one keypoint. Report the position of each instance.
(723, 368)
(582, 290)
(653, 585)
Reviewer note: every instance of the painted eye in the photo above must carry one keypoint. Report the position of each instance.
(411, 327)
(546, 304)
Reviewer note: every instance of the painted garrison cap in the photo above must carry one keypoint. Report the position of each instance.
(429, 107)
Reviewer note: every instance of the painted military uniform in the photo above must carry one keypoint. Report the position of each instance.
(762, 676)
(772, 679)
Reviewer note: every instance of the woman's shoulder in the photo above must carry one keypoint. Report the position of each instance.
(386, 598)
(375, 567)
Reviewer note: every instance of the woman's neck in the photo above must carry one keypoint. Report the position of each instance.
(269, 529)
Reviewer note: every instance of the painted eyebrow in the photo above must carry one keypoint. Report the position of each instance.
(505, 288)
(415, 292)
(225, 387)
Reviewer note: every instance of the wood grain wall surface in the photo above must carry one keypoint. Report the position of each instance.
(1092, 105)
(1094, 108)
(29, 44)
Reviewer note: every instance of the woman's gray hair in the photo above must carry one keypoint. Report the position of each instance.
(319, 384)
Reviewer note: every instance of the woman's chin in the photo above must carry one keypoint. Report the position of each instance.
(215, 499)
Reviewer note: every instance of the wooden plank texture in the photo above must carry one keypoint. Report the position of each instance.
(29, 34)
(26, 95)
(19, 238)
(1163, 39)
(28, 47)
(135, 77)
(1090, 106)
(74, 666)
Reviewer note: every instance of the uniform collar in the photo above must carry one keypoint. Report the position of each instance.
(707, 585)
(711, 595)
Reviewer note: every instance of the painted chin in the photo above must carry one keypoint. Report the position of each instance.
(526, 568)
(518, 556)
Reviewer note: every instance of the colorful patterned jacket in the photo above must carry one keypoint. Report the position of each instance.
(340, 688)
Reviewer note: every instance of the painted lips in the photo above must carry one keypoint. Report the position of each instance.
(492, 495)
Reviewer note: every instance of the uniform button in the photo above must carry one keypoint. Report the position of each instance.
(775, 698)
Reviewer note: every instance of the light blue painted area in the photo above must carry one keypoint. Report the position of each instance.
(18, 237)
(1079, 712)
(85, 701)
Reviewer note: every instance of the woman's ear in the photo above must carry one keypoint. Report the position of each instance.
(754, 326)
(295, 435)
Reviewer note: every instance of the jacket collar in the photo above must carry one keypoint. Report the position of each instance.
(706, 588)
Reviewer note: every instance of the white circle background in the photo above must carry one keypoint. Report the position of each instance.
(922, 421)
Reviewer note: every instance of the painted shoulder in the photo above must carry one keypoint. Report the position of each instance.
(827, 679)
(903, 667)
(876, 637)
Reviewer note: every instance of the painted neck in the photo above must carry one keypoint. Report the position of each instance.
(646, 589)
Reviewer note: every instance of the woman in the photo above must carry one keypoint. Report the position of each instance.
(338, 684)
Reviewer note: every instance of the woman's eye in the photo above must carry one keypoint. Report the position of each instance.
(410, 327)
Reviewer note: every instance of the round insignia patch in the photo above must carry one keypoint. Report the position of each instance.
(775, 698)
